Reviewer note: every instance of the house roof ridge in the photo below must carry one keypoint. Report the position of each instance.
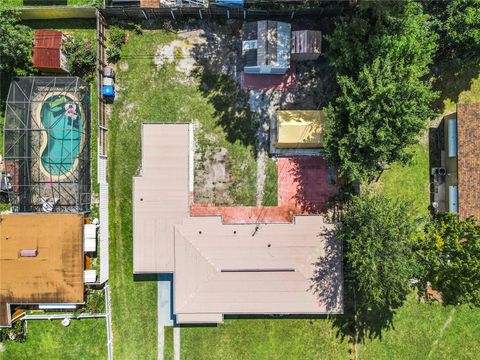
(208, 274)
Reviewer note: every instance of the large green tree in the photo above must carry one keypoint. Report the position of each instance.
(378, 237)
(449, 254)
(383, 102)
(458, 23)
(15, 43)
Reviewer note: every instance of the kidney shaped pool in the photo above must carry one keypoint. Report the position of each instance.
(61, 118)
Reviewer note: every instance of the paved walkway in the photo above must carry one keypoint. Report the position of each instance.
(176, 343)
(303, 188)
(164, 309)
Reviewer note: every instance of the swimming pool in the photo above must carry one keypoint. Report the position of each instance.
(61, 118)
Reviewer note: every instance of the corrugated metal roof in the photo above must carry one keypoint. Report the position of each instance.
(273, 43)
(306, 42)
(47, 49)
(300, 128)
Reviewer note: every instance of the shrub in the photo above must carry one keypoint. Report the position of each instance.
(95, 303)
(81, 57)
(113, 54)
(117, 36)
(15, 44)
(17, 333)
(449, 255)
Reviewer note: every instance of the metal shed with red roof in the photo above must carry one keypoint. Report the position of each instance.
(47, 51)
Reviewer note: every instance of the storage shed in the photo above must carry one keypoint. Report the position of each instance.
(306, 45)
(47, 51)
(266, 47)
(300, 128)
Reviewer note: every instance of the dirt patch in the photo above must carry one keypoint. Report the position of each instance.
(179, 51)
(212, 180)
(123, 66)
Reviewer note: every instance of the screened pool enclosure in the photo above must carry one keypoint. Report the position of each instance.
(47, 144)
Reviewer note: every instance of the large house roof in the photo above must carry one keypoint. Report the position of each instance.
(468, 139)
(290, 268)
(51, 268)
(160, 196)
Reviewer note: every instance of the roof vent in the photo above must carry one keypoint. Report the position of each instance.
(28, 253)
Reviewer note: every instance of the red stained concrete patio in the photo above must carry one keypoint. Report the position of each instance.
(265, 82)
(303, 188)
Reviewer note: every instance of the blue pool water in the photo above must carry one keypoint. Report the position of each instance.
(64, 134)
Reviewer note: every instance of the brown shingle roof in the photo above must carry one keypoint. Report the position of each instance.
(55, 274)
(468, 137)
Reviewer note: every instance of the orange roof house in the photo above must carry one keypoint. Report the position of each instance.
(221, 269)
(47, 51)
(41, 260)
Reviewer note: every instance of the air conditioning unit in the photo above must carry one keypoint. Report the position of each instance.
(439, 171)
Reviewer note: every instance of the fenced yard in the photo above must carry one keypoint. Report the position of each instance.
(152, 89)
(48, 339)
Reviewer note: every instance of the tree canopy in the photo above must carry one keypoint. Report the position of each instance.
(378, 236)
(458, 23)
(449, 254)
(383, 102)
(15, 43)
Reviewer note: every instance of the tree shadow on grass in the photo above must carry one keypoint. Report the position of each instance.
(359, 321)
(231, 107)
(218, 58)
(451, 76)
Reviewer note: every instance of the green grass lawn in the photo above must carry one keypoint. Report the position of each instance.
(428, 331)
(49, 340)
(410, 182)
(280, 338)
(146, 93)
(154, 95)
(85, 27)
(270, 189)
(168, 343)
(420, 331)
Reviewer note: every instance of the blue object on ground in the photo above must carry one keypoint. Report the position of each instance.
(108, 90)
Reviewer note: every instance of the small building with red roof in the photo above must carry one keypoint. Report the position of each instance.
(47, 51)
